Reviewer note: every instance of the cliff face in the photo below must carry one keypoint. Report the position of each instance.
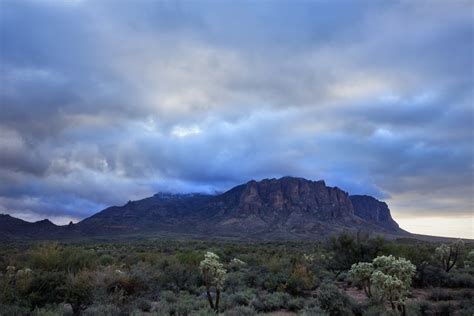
(373, 211)
(286, 195)
(277, 201)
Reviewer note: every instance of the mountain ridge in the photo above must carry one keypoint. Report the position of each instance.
(284, 208)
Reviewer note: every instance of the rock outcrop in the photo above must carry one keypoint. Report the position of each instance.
(373, 211)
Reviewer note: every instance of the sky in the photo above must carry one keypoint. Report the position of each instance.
(106, 101)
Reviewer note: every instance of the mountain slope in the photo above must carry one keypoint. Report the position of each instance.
(162, 210)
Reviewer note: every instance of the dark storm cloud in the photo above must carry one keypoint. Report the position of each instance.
(106, 101)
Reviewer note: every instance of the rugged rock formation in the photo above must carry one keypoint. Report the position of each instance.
(373, 211)
(277, 198)
(286, 208)
(281, 204)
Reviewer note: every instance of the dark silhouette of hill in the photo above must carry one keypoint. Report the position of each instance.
(285, 208)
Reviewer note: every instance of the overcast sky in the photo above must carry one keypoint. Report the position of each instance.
(108, 101)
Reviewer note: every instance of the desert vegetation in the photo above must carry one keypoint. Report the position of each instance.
(348, 274)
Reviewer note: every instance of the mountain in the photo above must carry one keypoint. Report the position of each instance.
(285, 208)
(15, 227)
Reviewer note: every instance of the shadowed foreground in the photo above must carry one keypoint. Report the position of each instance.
(157, 277)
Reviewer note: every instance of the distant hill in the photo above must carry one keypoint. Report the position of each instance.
(11, 227)
(285, 208)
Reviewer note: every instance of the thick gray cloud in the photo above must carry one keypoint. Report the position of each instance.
(106, 101)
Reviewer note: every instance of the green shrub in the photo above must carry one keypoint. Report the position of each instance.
(459, 279)
(347, 249)
(51, 310)
(379, 310)
(102, 310)
(425, 307)
(238, 299)
(14, 310)
(333, 301)
(205, 311)
(241, 311)
(162, 308)
(342, 277)
(79, 290)
(413, 309)
(467, 308)
(429, 275)
(52, 257)
(184, 306)
(466, 294)
(445, 308)
(177, 276)
(145, 275)
(123, 285)
(300, 280)
(273, 281)
(106, 260)
(144, 305)
(296, 304)
(257, 304)
(234, 282)
(313, 311)
(47, 288)
(169, 296)
(438, 294)
(47, 257)
(271, 302)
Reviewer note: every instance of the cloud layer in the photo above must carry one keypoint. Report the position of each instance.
(106, 101)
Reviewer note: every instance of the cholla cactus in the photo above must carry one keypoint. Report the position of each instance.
(212, 270)
(237, 263)
(23, 279)
(392, 278)
(213, 274)
(400, 268)
(362, 272)
(388, 287)
(309, 258)
(388, 277)
(448, 254)
(24, 273)
(11, 270)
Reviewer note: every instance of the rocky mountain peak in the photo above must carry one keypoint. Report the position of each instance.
(273, 197)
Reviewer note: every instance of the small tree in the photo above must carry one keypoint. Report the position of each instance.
(449, 254)
(213, 274)
(386, 278)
